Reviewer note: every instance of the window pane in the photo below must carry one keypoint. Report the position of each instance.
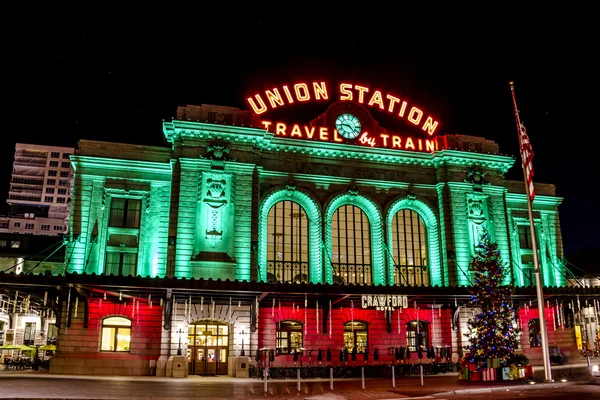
(351, 246)
(123, 339)
(108, 339)
(117, 321)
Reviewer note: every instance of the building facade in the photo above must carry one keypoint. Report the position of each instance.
(248, 234)
(40, 191)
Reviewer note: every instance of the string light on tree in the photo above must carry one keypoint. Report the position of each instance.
(491, 332)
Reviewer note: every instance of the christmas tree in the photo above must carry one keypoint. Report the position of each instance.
(491, 331)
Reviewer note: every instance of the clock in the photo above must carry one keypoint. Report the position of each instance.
(348, 125)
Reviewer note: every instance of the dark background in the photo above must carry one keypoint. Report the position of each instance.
(114, 74)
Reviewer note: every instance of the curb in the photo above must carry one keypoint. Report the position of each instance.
(545, 385)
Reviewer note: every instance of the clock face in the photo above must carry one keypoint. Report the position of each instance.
(348, 126)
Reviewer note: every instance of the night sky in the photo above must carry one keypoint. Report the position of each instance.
(115, 75)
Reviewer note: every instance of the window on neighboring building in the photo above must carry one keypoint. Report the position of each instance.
(417, 335)
(65, 164)
(351, 246)
(45, 227)
(525, 237)
(29, 333)
(48, 199)
(50, 190)
(125, 213)
(535, 333)
(289, 336)
(52, 172)
(4, 225)
(54, 164)
(58, 227)
(116, 334)
(62, 191)
(287, 243)
(64, 174)
(29, 226)
(50, 181)
(55, 154)
(409, 248)
(66, 156)
(15, 244)
(61, 200)
(63, 182)
(17, 224)
(3, 243)
(356, 334)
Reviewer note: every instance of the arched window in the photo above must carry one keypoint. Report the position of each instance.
(351, 246)
(417, 335)
(409, 241)
(287, 243)
(289, 337)
(535, 333)
(356, 334)
(116, 334)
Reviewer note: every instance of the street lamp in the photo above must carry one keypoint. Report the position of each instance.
(242, 353)
(179, 333)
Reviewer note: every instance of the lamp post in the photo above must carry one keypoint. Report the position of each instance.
(179, 333)
(242, 353)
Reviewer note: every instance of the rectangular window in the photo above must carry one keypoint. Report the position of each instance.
(29, 226)
(48, 199)
(55, 154)
(62, 191)
(3, 243)
(66, 156)
(61, 200)
(50, 190)
(52, 172)
(525, 237)
(54, 164)
(58, 227)
(29, 334)
(4, 225)
(63, 182)
(116, 334)
(17, 224)
(125, 213)
(64, 174)
(15, 244)
(65, 164)
(51, 182)
(289, 337)
(45, 227)
(121, 263)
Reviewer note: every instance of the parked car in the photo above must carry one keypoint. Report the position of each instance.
(557, 356)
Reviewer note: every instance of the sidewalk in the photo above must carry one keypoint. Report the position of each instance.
(19, 384)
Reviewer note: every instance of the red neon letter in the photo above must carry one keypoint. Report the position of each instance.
(267, 124)
(396, 141)
(302, 96)
(361, 93)
(376, 99)
(274, 97)
(296, 131)
(320, 90)
(409, 143)
(346, 94)
(336, 138)
(288, 94)
(280, 129)
(415, 115)
(430, 125)
(257, 110)
(323, 133)
(309, 133)
(393, 100)
(385, 138)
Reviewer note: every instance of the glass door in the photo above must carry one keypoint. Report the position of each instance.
(209, 342)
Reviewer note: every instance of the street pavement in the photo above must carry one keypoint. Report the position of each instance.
(43, 385)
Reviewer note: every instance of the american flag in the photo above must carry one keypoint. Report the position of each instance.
(527, 157)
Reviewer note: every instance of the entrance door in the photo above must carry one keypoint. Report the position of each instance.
(209, 343)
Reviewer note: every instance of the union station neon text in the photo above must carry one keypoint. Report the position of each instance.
(347, 92)
(324, 134)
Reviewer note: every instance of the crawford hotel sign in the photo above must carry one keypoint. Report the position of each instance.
(384, 302)
(347, 126)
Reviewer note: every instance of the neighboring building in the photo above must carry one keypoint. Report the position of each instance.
(248, 234)
(40, 191)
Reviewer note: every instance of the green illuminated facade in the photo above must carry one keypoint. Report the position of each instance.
(231, 201)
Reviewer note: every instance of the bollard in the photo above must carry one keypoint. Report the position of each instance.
(393, 376)
(421, 366)
(589, 365)
(298, 373)
(362, 375)
(330, 378)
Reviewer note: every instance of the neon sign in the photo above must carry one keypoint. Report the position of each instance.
(318, 91)
(324, 134)
(384, 302)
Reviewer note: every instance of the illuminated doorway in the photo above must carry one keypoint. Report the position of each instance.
(208, 348)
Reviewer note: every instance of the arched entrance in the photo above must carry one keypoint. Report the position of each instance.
(208, 348)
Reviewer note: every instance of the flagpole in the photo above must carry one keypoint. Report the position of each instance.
(538, 280)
